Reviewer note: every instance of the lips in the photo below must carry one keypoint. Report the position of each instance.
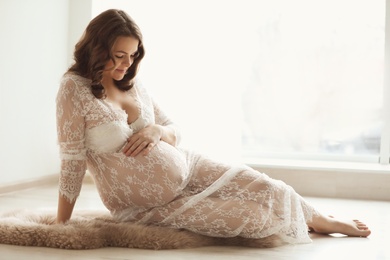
(121, 70)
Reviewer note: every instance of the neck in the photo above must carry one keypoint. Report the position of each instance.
(107, 82)
(111, 90)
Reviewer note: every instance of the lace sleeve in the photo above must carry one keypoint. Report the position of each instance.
(163, 120)
(70, 130)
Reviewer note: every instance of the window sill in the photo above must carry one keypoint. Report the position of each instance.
(334, 166)
(366, 181)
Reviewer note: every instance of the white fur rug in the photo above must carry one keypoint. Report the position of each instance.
(88, 230)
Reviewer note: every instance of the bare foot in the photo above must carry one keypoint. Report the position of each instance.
(329, 225)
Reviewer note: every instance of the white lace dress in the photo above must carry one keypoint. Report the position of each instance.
(170, 186)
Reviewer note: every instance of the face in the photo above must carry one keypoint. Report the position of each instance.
(124, 51)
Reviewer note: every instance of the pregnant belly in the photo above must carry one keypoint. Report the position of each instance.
(164, 164)
(141, 181)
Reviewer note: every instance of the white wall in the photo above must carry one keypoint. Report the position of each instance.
(80, 13)
(33, 56)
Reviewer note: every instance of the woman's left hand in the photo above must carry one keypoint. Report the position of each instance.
(143, 141)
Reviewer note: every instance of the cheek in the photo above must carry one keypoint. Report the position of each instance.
(109, 65)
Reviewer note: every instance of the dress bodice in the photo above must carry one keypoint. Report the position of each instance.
(112, 136)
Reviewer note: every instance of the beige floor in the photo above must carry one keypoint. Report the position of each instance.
(374, 213)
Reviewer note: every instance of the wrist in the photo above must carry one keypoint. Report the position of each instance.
(160, 129)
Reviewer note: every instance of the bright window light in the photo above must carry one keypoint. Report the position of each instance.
(258, 78)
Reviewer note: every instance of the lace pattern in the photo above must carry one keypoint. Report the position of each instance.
(170, 186)
(225, 201)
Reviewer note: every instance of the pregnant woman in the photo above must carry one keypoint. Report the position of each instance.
(108, 123)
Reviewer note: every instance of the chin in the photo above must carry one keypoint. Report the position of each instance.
(118, 77)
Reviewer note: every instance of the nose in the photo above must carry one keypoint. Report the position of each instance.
(128, 61)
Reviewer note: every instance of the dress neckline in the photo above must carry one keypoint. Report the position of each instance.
(123, 112)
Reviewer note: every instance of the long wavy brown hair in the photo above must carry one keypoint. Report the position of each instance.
(93, 50)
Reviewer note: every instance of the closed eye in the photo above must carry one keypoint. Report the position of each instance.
(134, 55)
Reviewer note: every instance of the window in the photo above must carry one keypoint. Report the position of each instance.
(288, 79)
(316, 89)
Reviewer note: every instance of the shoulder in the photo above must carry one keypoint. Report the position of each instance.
(72, 80)
(137, 84)
(140, 89)
(75, 85)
